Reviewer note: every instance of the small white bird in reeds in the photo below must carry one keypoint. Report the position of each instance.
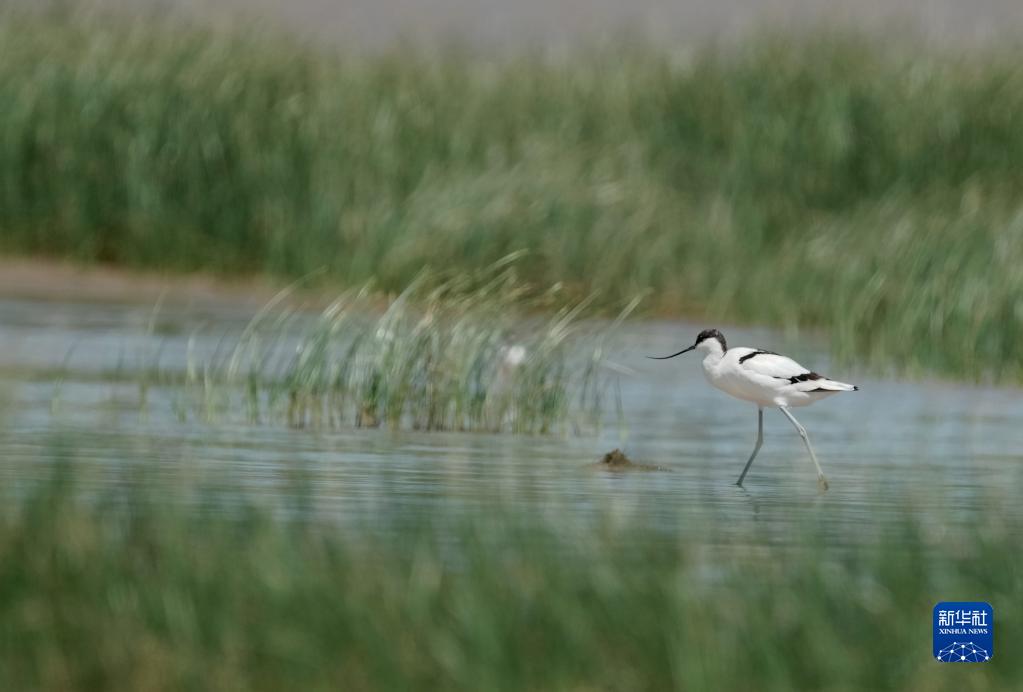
(766, 379)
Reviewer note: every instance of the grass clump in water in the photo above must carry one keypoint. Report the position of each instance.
(473, 352)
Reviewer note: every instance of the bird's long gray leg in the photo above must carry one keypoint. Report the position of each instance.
(760, 441)
(821, 480)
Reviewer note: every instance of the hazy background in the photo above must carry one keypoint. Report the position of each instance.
(505, 23)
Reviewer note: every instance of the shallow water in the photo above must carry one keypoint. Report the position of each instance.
(945, 451)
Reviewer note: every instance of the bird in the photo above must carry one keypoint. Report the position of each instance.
(766, 379)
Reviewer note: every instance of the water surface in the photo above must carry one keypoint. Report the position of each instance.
(944, 451)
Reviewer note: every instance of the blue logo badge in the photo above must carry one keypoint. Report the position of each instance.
(964, 631)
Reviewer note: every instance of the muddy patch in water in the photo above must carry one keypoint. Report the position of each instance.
(617, 461)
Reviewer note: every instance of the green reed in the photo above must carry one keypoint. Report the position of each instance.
(134, 588)
(478, 351)
(866, 185)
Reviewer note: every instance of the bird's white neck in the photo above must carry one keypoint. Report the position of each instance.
(712, 354)
(711, 350)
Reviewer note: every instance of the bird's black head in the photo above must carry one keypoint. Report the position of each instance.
(712, 334)
(703, 336)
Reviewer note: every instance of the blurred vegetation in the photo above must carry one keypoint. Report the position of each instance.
(870, 186)
(465, 353)
(137, 589)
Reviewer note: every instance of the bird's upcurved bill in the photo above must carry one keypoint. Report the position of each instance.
(685, 350)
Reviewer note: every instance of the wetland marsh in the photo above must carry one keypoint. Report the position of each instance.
(143, 549)
(412, 486)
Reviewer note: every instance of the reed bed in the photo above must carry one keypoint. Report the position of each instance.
(868, 185)
(137, 589)
(477, 352)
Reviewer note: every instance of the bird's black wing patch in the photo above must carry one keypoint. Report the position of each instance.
(758, 352)
(805, 376)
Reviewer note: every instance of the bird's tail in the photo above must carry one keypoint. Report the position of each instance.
(833, 386)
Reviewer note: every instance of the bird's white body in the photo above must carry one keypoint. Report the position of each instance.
(763, 378)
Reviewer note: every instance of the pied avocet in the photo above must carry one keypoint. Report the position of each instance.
(766, 379)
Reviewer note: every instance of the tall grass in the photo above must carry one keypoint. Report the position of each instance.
(480, 351)
(124, 592)
(870, 186)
